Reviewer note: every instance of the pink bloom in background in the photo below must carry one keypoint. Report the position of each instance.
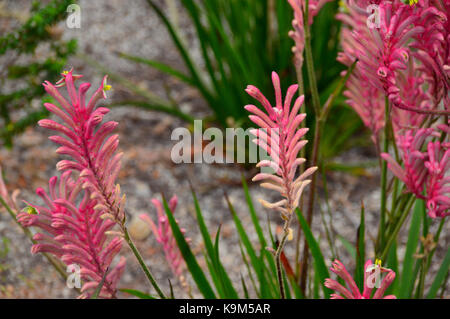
(438, 181)
(75, 233)
(404, 58)
(362, 96)
(370, 280)
(11, 200)
(164, 236)
(298, 34)
(281, 137)
(80, 211)
(424, 172)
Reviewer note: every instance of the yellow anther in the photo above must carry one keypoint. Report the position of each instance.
(65, 72)
(378, 262)
(31, 210)
(290, 234)
(107, 87)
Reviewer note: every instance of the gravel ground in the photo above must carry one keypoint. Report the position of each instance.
(109, 26)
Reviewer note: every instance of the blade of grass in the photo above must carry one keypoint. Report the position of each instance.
(439, 279)
(319, 262)
(191, 262)
(406, 280)
(137, 293)
(227, 285)
(360, 250)
(219, 271)
(254, 260)
(159, 66)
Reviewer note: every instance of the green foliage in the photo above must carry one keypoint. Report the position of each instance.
(241, 43)
(137, 293)
(319, 262)
(21, 44)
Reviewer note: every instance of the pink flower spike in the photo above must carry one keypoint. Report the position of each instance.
(164, 236)
(75, 233)
(280, 136)
(88, 142)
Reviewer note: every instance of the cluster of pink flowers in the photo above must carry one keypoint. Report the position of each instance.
(425, 173)
(281, 137)
(81, 209)
(370, 282)
(164, 236)
(404, 56)
(298, 34)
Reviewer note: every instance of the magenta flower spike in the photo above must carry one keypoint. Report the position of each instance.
(402, 53)
(370, 281)
(280, 136)
(73, 232)
(164, 236)
(79, 213)
(87, 142)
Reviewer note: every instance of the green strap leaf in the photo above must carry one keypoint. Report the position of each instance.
(137, 293)
(159, 66)
(191, 262)
(440, 276)
(406, 280)
(360, 250)
(220, 277)
(319, 262)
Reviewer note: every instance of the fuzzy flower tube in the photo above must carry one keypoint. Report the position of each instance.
(280, 136)
(371, 271)
(164, 236)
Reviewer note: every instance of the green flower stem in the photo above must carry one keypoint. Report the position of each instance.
(421, 284)
(301, 91)
(278, 256)
(317, 129)
(381, 233)
(144, 267)
(436, 239)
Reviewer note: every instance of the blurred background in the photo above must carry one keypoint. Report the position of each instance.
(170, 62)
